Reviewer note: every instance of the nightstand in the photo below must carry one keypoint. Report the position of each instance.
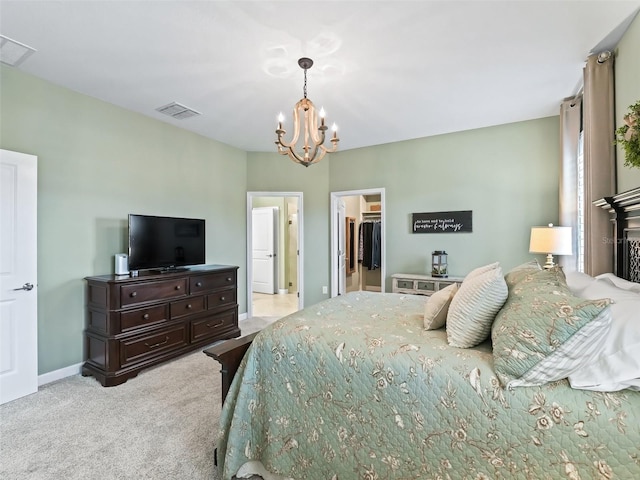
(421, 284)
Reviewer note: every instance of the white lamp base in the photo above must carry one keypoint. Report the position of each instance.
(550, 264)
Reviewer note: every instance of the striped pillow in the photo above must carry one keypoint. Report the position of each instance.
(544, 333)
(474, 307)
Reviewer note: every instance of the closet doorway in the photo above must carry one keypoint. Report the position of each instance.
(358, 241)
(285, 296)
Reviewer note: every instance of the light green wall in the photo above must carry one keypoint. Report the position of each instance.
(96, 164)
(507, 175)
(627, 85)
(271, 172)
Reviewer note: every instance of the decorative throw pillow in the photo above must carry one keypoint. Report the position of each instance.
(481, 270)
(544, 333)
(474, 307)
(521, 271)
(436, 308)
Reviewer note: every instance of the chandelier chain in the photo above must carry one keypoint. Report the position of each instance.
(304, 90)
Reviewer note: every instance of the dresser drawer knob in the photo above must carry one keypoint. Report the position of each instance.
(146, 316)
(133, 294)
(228, 279)
(198, 284)
(189, 307)
(178, 287)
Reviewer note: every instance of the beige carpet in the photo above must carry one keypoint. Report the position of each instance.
(162, 424)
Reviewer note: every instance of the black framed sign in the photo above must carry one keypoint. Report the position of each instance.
(443, 222)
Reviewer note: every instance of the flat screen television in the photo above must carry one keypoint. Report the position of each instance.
(165, 243)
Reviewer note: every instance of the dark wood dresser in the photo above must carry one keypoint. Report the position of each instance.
(136, 322)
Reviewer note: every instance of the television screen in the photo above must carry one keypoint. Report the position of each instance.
(165, 242)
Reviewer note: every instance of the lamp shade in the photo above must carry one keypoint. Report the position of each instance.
(553, 240)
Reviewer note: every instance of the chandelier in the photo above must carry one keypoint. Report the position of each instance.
(305, 121)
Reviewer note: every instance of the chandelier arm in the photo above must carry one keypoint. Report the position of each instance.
(318, 158)
(333, 148)
(293, 155)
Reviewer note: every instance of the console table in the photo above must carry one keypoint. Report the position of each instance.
(137, 322)
(421, 284)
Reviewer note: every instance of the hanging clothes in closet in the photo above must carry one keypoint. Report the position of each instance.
(370, 244)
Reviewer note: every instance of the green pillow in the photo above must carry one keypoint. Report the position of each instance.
(543, 332)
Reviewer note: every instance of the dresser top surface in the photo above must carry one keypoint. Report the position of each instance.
(157, 275)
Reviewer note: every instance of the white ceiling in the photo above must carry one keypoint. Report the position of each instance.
(384, 71)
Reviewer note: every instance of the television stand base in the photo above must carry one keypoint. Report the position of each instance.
(171, 270)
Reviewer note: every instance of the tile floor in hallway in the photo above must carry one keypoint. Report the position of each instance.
(268, 309)
(276, 305)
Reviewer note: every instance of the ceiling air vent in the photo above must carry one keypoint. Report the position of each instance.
(178, 111)
(12, 52)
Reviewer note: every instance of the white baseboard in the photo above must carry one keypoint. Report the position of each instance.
(242, 316)
(283, 291)
(59, 374)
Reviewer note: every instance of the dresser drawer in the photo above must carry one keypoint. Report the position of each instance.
(221, 298)
(426, 286)
(210, 327)
(139, 348)
(143, 317)
(152, 291)
(405, 284)
(212, 281)
(187, 307)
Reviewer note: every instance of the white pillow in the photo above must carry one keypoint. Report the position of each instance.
(474, 307)
(437, 306)
(481, 270)
(620, 282)
(578, 281)
(617, 365)
(603, 288)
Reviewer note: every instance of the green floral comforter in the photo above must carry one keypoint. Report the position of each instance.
(355, 388)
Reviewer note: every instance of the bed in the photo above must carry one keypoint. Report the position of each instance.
(355, 387)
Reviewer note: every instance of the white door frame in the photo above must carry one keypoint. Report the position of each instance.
(334, 234)
(250, 197)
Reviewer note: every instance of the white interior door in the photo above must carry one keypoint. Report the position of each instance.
(18, 275)
(342, 248)
(263, 236)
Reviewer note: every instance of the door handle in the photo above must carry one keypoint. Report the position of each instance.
(26, 286)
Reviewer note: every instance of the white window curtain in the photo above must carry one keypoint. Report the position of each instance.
(570, 128)
(587, 171)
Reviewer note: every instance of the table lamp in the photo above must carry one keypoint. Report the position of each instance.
(552, 241)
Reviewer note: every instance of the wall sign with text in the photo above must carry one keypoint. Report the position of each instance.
(443, 222)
